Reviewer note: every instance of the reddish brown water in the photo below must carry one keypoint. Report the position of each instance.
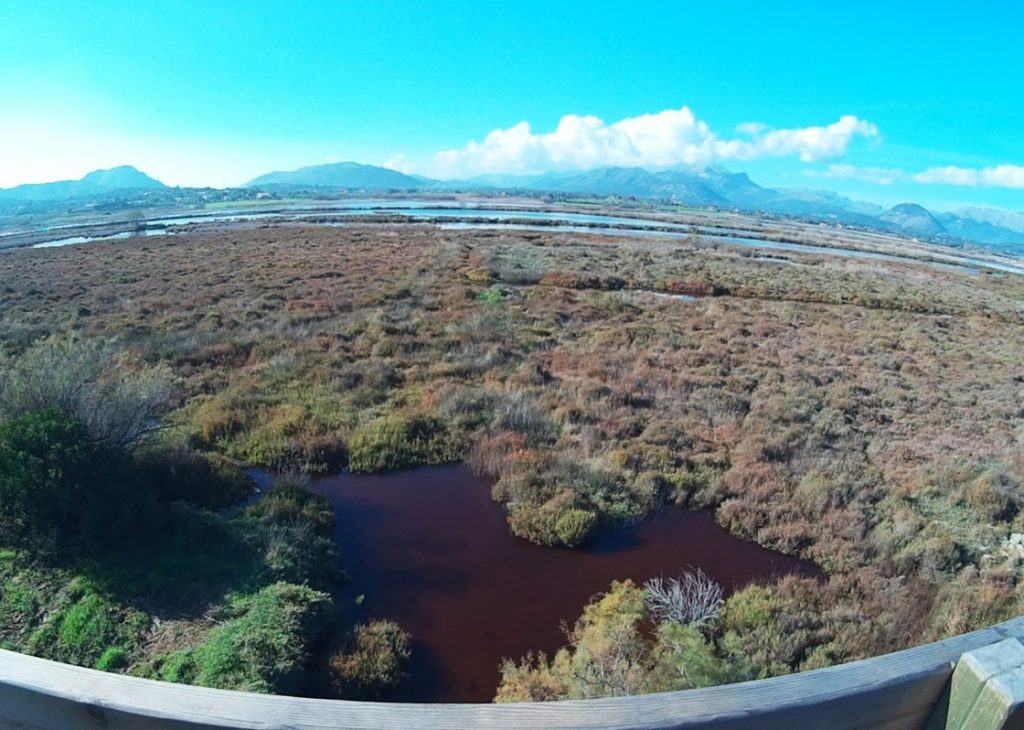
(430, 550)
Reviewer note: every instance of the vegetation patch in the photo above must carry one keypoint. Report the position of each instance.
(371, 660)
(399, 442)
(263, 644)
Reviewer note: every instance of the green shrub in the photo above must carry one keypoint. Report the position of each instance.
(114, 659)
(263, 646)
(18, 602)
(996, 495)
(398, 442)
(538, 523)
(749, 608)
(177, 472)
(60, 489)
(371, 660)
(87, 629)
(574, 526)
(290, 530)
(297, 555)
(685, 659)
(291, 504)
(492, 296)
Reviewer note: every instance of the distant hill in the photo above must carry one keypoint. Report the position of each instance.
(98, 182)
(348, 175)
(969, 229)
(635, 182)
(718, 187)
(1005, 219)
(712, 186)
(913, 219)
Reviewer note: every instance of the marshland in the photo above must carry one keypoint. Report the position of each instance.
(395, 459)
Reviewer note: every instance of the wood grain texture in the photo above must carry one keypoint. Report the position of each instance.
(897, 690)
(987, 689)
(974, 670)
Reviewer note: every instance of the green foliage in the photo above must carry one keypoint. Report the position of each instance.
(264, 645)
(574, 526)
(290, 529)
(19, 601)
(564, 502)
(178, 472)
(397, 442)
(88, 629)
(749, 608)
(371, 660)
(492, 296)
(997, 495)
(290, 504)
(614, 650)
(114, 659)
(685, 659)
(608, 654)
(292, 553)
(116, 401)
(62, 490)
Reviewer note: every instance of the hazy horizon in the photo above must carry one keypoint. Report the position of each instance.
(915, 107)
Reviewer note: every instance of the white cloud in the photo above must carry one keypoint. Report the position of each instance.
(996, 176)
(815, 143)
(664, 139)
(874, 175)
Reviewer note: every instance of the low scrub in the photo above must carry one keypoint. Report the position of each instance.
(264, 644)
(61, 490)
(399, 442)
(621, 647)
(88, 629)
(371, 661)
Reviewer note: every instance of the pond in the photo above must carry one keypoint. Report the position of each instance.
(429, 549)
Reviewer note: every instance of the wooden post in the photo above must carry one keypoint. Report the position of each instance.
(986, 691)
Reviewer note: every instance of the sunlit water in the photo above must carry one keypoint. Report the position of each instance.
(547, 221)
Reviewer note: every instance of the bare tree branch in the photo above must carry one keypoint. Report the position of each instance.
(692, 598)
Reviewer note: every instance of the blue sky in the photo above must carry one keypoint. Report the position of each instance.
(882, 101)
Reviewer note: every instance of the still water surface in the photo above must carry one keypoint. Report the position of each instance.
(547, 221)
(430, 550)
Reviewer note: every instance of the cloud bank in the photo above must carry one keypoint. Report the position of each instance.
(664, 139)
(997, 176)
(874, 175)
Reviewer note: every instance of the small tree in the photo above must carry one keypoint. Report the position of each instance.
(90, 382)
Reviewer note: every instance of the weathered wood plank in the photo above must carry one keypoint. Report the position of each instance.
(987, 690)
(974, 670)
(896, 691)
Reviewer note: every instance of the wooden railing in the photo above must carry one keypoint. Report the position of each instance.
(915, 688)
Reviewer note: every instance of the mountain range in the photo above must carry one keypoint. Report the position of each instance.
(711, 187)
(98, 182)
(349, 175)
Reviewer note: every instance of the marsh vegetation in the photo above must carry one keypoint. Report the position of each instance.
(863, 415)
